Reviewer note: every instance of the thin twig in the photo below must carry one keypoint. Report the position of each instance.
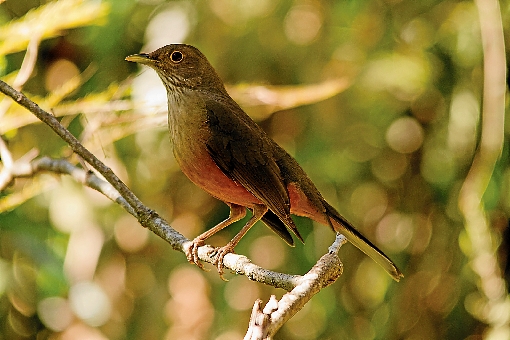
(340, 240)
(12, 169)
(496, 311)
(25, 71)
(27, 67)
(5, 156)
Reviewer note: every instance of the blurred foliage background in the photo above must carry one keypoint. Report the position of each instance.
(378, 100)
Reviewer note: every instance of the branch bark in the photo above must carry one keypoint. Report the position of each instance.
(265, 322)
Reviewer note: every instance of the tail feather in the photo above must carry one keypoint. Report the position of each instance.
(276, 225)
(341, 225)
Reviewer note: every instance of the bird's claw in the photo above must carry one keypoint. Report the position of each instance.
(220, 254)
(192, 252)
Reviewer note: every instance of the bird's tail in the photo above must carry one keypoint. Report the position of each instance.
(341, 225)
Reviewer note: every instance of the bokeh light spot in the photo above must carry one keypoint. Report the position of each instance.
(405, 135)
(22, 288)
(462, 127)
(171, 24)
(268, 252)
(237, 13)
(370, 283)
(363, 328)
(130, 236)
(90, 303)
(189, 310)
(81, 331)
(369, 202)
(404, 76)
(83, 252)
(302, 24)
(69, 210)
(55, 313)
(59, 72)
(438, 166)
(389, 165)
(395, 231)
(308, 323)
(241, 293)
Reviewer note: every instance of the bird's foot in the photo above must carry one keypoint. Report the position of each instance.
(192, 255)
(192, 252)
(220, 254)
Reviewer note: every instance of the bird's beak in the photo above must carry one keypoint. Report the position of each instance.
(142, 58)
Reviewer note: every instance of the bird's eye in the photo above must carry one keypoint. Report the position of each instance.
(176, 57)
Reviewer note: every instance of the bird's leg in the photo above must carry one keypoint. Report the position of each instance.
(237, 212)
(258, 211)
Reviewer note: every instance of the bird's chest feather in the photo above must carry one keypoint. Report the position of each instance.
(189, 133)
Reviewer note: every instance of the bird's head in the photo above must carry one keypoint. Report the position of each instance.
(181, 66)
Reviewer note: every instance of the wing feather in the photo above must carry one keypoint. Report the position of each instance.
(242, 150)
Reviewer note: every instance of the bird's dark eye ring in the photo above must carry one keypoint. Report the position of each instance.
(176, 57)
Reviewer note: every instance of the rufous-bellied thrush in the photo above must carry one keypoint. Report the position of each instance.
(223, 151)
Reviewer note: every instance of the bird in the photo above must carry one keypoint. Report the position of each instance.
(224, 152)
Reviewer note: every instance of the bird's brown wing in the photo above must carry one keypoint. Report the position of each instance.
(243, 152)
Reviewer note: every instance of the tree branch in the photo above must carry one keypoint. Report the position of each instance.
(264, 323)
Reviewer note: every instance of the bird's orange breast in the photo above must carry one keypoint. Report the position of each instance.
(200, 168)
